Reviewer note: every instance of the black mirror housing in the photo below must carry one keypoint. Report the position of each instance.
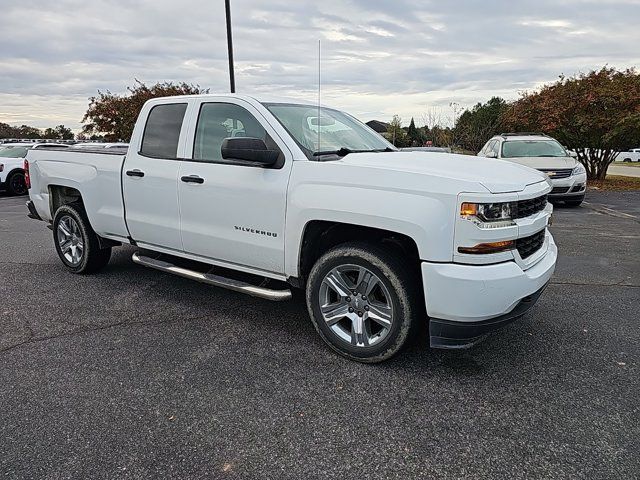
(248, 149)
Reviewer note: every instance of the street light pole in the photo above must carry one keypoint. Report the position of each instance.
(232, 79)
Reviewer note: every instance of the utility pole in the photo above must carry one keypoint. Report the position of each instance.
(232, 79)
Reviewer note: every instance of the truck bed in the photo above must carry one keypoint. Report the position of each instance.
(97, 173)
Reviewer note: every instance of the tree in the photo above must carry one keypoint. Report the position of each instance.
(396, 134)
(114, 115)
(474, 127)
(414, 135)
(596, 114)
(59, 133)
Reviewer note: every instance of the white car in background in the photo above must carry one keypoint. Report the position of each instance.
(632, 155)
(12, 164)
(539, 151)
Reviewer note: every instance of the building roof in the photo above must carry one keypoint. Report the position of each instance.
(378, 126)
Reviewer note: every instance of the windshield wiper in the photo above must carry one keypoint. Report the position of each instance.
(344, 151)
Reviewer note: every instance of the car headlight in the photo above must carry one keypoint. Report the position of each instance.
(578, 170)
(488, 215)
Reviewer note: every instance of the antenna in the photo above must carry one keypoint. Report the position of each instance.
(319, 78)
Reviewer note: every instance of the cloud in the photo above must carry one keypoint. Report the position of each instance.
(379, 57)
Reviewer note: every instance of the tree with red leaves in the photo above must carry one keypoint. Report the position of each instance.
(596, 114)
(114, 116)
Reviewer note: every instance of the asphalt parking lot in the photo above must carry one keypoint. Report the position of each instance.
(133, 373)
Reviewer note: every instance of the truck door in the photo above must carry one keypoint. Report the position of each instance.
(229, 211)
(150, 177)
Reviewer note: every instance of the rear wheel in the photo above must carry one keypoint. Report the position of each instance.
(362, 302)
(16, 184)
(76, 242)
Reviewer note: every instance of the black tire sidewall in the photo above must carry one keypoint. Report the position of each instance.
(69, 211)
(10, 181)
(375, 261)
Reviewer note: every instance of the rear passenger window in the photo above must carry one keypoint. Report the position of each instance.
(162, 131)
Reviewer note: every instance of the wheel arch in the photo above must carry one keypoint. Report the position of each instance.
(319, 236)
(60, 195)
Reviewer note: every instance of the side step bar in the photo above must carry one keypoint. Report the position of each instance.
(212, 279)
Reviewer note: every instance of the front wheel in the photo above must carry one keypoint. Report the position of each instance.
(363, 302)
(76, 242)
(574, 203)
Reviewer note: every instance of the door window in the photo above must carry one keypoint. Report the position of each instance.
(162, 131)
(218, 121)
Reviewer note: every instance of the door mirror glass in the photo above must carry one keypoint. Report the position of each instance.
(248, 149)
(492, 154)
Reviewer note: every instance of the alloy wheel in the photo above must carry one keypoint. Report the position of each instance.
(356, 305)
(70, 240)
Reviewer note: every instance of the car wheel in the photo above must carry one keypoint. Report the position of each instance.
(16, 184)
(363, 302)
(76, 242)
(627, 160)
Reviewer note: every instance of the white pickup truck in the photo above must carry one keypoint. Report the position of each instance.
(266, 196)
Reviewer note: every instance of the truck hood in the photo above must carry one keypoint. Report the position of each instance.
(497, 176)
(547, 163)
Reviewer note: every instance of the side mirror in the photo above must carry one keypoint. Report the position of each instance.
(572, 154)
(248, 149)
(491, 155)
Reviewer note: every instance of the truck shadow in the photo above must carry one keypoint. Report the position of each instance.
(289, 319)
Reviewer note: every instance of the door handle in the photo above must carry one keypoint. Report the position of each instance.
(192, 179)
(135, 173)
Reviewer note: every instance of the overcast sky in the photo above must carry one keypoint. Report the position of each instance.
(379, 58)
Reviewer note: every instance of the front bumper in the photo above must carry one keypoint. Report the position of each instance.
(458, 335)
(463, 300)
(570, 187)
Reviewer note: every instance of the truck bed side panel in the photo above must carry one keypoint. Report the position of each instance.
(97, 176)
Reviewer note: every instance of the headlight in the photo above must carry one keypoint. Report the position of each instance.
(488, 215)
(578, 169)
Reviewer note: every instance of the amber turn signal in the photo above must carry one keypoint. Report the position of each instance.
(493, 247)
(469, 209)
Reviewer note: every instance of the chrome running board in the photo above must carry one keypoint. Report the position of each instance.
(212, 279)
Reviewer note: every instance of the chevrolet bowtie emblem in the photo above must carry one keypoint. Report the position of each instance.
(551, 174)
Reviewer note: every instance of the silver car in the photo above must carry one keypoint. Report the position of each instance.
(539, 151)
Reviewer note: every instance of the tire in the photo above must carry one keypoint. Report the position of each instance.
(627, 160)
(16, 184)
(574, 203)
(83, 253)
(360, 337)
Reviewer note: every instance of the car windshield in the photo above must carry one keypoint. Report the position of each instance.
(532, 148)
(333, 134)
(13, 152)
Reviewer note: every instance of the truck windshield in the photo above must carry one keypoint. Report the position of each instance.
(532, 148)
(332, 135)
(13, 152)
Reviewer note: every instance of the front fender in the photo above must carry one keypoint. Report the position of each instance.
(427, 220)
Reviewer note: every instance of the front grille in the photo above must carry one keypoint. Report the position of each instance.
(557, 190)
(557, 172)
(526, 208)
(527, 246)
